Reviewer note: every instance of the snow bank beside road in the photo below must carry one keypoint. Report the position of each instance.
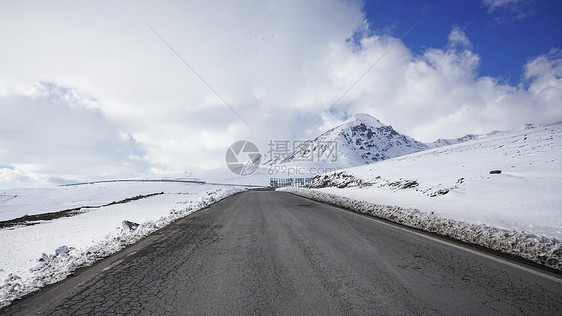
(37, 255)
(540, 249)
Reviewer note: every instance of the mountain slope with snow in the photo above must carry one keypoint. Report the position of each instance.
(360, 140)
(455, 180)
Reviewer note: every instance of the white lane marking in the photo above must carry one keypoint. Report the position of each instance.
(465, 248)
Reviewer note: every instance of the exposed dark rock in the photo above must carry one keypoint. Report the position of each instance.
(130, 225)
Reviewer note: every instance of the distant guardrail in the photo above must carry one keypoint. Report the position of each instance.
(164, 180)
(146, 180)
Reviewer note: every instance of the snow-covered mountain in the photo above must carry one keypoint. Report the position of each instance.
(360, 140)
(363, 140)
(446, 142)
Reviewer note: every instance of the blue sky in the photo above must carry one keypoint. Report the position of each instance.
(504, 37)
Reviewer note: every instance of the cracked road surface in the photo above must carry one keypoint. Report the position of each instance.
(270, 253)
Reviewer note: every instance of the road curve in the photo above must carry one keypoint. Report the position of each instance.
(274, 253)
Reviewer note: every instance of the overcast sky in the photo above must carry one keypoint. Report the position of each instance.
(89, 91)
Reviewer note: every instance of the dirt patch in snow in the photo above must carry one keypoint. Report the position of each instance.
(343, 180)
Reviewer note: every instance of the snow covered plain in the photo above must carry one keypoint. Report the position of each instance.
(19, 202)
(450, 190)
(35, 255)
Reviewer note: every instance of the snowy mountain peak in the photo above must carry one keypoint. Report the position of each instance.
(360, 140)
(364, 118)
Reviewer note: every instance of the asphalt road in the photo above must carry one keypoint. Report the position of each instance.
(274, 253)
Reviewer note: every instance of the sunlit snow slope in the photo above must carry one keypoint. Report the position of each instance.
(455, 181)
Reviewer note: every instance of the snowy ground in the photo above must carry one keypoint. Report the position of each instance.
(36, 255)
(454, 183)
(19, 202)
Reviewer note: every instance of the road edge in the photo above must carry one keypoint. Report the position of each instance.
(413, 221)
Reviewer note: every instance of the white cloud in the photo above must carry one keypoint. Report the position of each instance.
(495, 4)
(280, 64)
(457, 38)
(440, 94)
(56, 135)
(509, 10)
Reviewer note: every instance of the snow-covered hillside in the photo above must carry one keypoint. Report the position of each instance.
(360, 140)
(45, 251)
(509, 180)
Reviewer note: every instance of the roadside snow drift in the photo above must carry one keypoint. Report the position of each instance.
(42, 253)
(501, 191)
